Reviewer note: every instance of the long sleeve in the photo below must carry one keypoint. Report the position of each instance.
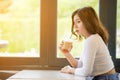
(86, 62)
(95, 58)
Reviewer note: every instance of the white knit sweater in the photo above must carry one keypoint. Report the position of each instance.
(95, 58)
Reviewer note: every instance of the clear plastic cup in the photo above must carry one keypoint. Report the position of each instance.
(67, 44)
(67, 41)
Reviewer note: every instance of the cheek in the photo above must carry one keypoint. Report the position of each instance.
(81, 28)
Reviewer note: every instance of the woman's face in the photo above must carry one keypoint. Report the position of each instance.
(79, 26)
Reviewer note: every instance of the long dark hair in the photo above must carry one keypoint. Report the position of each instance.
(92, 23)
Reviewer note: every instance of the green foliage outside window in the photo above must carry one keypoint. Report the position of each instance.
(21, 26)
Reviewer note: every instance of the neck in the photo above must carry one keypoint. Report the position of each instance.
(87, 35)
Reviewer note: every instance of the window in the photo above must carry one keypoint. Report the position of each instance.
(44, 36)
(20, 28)
(118, 31)
(64, 13)
(54, 20)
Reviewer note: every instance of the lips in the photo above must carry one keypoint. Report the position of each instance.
(77, 31)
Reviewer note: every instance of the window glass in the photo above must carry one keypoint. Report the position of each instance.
(19, 28)
(118, 31)
(64, 11)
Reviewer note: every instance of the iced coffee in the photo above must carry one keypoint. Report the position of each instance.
(67, 44)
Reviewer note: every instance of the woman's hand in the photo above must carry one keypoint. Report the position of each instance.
(68, 69)
(61, 47)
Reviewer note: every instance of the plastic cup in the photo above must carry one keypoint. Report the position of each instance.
(67, 45)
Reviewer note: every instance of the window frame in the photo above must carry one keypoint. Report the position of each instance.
(110, 21)
(48, 38)
(29, 62)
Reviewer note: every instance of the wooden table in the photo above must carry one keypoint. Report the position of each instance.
(44, 75)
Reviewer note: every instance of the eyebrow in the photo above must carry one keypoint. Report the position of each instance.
(76, 19)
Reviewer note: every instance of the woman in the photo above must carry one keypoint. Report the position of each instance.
(95, 59)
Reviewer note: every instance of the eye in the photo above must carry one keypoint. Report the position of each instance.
(78, 21)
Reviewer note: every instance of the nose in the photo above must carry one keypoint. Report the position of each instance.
(75, 26)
